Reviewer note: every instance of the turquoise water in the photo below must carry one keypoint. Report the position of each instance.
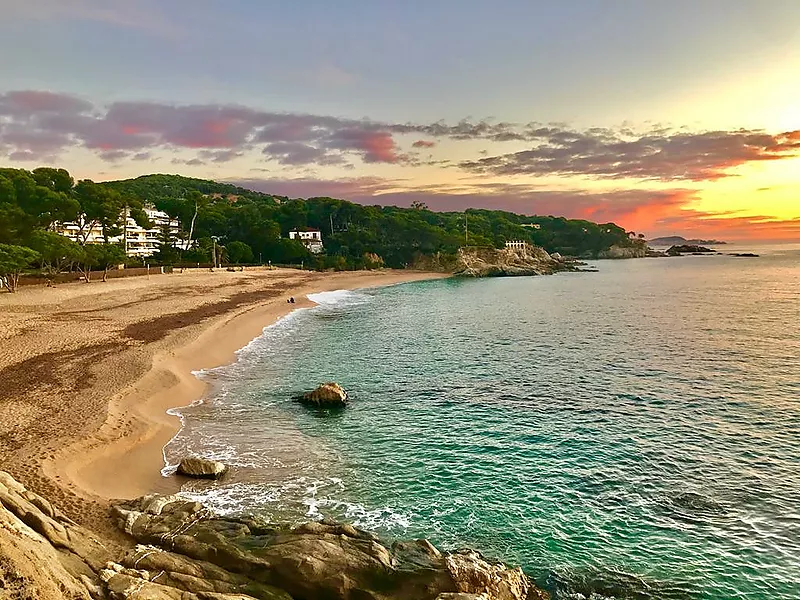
(631, 433)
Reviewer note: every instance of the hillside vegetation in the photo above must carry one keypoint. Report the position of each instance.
(245, 226)
(355, 234)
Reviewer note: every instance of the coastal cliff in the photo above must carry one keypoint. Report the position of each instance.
(475, 261)
(182, 551)
(637, 250)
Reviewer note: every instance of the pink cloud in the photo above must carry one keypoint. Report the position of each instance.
(653, 213)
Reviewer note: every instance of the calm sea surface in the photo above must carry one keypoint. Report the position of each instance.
(631, 433)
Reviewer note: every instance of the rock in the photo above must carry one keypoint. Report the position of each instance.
(372, 261)
(744, 254)
(327, 394)
(188, 553)
(188, 548)
(201, 468)
(43, 554)
(474, 575)
(473, 261)
(635, 250)
(688, 249)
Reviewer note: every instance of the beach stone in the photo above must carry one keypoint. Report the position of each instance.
(201, 468)
(327, 394)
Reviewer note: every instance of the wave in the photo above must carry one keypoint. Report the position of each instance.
(338, 298)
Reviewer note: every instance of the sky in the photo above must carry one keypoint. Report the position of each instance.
(678, 117)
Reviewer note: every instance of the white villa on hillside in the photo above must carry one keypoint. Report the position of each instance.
(311, 238)
(138, 241)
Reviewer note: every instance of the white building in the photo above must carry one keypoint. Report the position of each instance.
(145, 242)
(311, 238)
(137, 240)
(517, 245)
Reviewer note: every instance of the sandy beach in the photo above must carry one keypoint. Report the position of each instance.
(87, 372)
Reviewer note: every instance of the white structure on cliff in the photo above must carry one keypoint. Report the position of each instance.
(311, 238)
(517, 245)
(137, 240)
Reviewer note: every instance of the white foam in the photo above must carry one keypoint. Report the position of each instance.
(339, 298)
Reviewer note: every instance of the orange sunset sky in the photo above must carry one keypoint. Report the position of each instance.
(666, 118)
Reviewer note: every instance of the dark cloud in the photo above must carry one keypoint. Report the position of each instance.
(219, 156)
(43, 123)
(376, 146)
(658, 155)
(36, 124)
(298, 153)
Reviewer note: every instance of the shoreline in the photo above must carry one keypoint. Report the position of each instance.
(90, 466)
(89, 372)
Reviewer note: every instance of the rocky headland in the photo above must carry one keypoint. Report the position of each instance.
(637, 250)
(180, 550)
(479, 261)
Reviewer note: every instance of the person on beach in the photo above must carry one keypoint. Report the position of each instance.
(291, 299)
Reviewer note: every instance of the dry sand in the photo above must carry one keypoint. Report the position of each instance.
(88, 371)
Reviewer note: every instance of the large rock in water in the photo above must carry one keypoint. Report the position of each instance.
(688, 249)
(327, 394)
(478, 261)
(193, 550)
(201, 468)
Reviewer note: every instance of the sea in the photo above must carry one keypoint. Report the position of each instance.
(627, 433)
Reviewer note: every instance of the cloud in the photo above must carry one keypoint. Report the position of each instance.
(653, 212)
(45, 124)
(146, 15)
(660, 154)
(376, 146)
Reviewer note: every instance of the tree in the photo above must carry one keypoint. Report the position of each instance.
(28, 205)
(239, 252)
(102, 256)
(13, 261)
(56, 253)
(198, 200)
(104, 207)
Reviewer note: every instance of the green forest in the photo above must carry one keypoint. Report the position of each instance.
(247, 227)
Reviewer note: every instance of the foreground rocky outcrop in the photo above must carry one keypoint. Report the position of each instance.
(327, 394)
(479, 261)
(43, 554)
(201, 468)
(185, 552)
